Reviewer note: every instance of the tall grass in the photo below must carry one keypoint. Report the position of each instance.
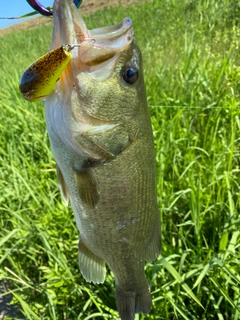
(191, 65)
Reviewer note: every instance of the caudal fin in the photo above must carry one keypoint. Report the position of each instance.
(129, 303)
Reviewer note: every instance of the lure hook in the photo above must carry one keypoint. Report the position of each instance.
(36, 5)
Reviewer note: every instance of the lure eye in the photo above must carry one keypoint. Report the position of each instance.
(130, 74)
(45, 11)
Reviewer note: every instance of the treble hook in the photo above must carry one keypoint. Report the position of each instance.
(45, 11)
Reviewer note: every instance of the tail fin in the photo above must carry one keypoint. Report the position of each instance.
(129, 303)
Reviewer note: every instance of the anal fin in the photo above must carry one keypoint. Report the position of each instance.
(91, 266)
(154, 247)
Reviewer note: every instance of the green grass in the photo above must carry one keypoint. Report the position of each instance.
(192, 68)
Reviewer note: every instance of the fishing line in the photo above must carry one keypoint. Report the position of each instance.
(45, 11)
(192, 107)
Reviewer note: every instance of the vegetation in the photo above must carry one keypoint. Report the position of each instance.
(192, 67)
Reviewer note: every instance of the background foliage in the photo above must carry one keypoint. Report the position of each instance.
(191, 65)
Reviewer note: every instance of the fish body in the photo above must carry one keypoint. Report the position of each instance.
(100, 132)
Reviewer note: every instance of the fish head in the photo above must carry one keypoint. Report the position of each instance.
(103, 82)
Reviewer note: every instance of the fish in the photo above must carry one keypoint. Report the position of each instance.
(100, 132)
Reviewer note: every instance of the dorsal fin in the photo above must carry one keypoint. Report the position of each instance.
(154, 247)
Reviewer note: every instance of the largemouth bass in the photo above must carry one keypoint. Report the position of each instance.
(100, 133)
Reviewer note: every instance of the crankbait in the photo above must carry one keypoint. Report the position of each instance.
(39, 79)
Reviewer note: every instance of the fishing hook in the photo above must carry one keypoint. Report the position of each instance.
(45, 11)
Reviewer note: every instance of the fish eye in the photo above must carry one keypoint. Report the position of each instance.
(130, 74)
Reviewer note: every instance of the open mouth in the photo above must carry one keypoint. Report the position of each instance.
(93, 46)
(94, 52)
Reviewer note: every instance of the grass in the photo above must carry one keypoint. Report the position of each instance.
(191, 63)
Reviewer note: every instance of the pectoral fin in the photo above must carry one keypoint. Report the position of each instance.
(92, 267)
(62, 186)
(87, 186)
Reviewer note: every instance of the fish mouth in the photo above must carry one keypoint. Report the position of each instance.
(95, 51)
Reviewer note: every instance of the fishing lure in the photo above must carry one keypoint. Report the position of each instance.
(39, 79)
(45, 11)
